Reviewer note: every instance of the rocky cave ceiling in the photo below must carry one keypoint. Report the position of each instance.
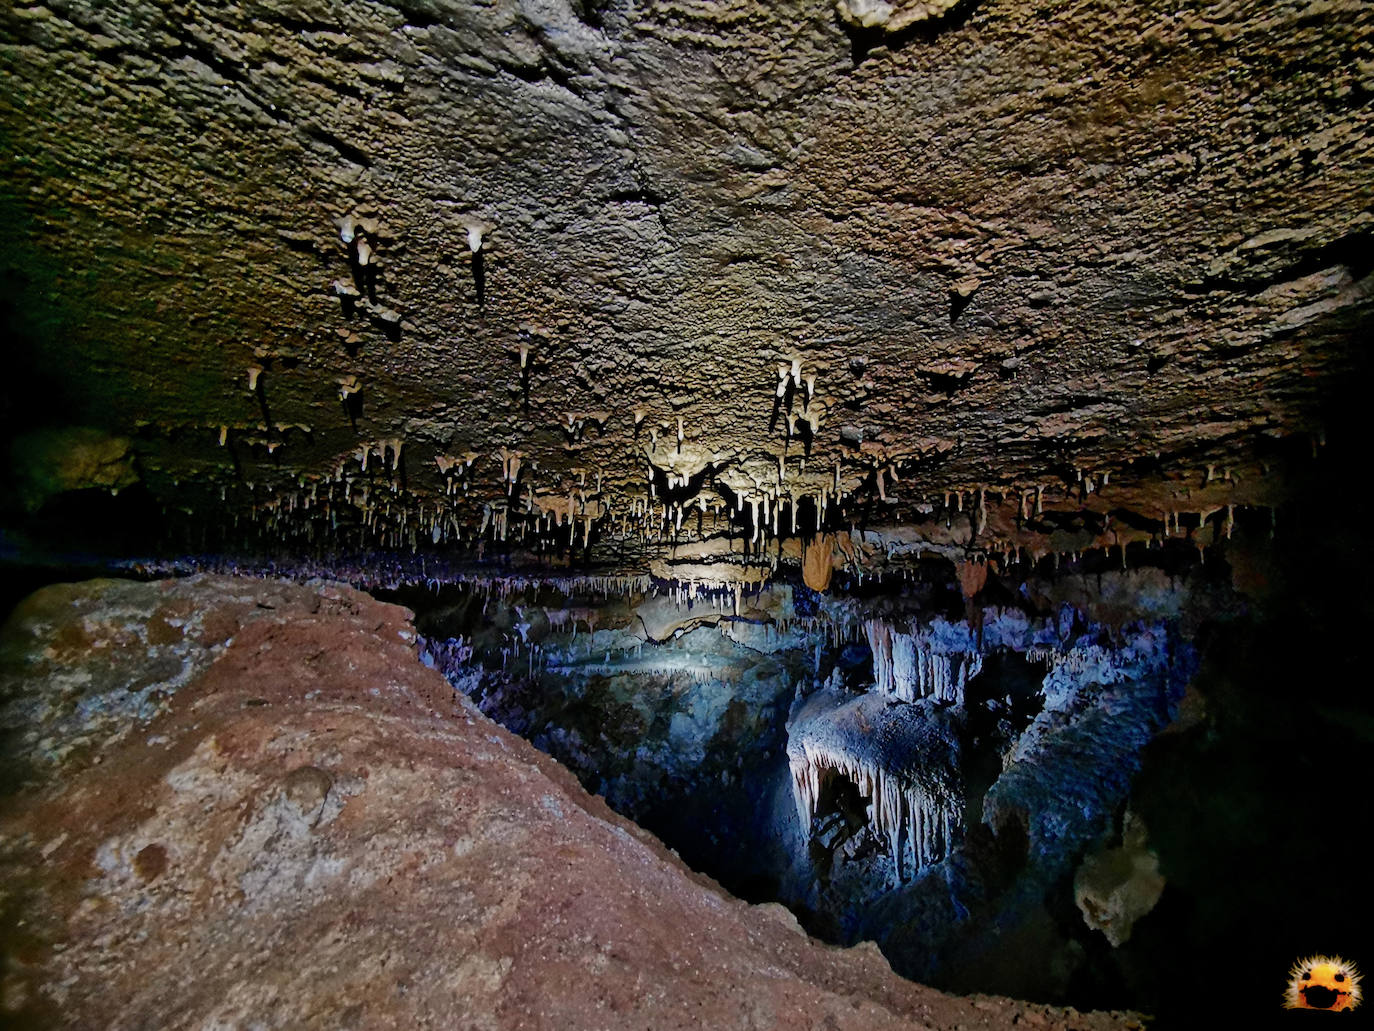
(943, 269)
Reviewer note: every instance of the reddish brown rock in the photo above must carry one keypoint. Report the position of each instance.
(973, 576)
(817, 562)
(310, 830)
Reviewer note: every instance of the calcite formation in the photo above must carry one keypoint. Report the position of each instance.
(1117, 886)
(602, 278)
(871, 14)
(903, 759)
(907, 666)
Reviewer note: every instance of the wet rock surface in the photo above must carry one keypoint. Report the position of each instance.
(309, 829)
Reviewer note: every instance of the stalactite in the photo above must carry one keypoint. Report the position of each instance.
(905, 669)
(900, 810)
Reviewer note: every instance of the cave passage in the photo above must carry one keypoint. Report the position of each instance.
(970, 765)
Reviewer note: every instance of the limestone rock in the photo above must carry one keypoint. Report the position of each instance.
(889, 17)
(1116, 887)
(1017, 250)
(49, 462)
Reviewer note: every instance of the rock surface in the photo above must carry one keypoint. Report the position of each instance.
(73, 458)
(1006, 245)
(1116, 887)
(285, 820)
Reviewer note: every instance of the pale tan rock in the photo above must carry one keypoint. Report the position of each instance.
(1116, 887)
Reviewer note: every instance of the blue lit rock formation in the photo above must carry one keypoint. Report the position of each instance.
(907, 665)
(1074, 762)
(765, 733)
(903, 758)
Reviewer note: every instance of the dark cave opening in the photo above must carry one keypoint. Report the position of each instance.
(840, 828)
(688, 737)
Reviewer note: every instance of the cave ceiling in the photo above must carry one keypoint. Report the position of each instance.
(738, 266)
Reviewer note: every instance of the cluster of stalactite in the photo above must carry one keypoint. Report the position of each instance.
(905, 668)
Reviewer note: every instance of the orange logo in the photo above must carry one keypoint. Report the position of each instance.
(1322, 983)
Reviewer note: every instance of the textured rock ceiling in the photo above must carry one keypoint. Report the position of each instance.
(1088, 248)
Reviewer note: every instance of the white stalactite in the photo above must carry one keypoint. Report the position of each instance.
(916, 825)
(905, 668)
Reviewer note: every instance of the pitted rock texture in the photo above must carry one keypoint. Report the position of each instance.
(314, 832)
(999, 248)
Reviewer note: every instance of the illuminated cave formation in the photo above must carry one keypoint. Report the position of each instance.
(903, 759)
(907, 667)
(898, 453)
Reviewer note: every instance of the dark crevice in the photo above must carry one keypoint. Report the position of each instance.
(1354, 251)
(347, 89)
(1073, 404)
(641, 195)
(295, 23)
(588, 12)
(345, 150)
(546, 71)
(948, 384)
(226, 68)
(418, 15)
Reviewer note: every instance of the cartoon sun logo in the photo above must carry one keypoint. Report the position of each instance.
(1322, 983)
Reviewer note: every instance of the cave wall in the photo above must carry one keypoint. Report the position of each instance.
(245, 802)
